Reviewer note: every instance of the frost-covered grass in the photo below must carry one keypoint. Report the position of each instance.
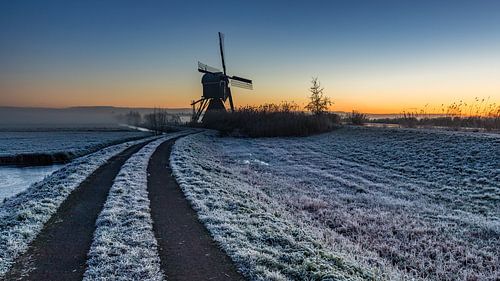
(357, 203)
(64, 144)
(23, 216)
(124, 246)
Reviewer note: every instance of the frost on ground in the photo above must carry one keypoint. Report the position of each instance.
(61, 144)
(357, 203)
(23, 216)
(124, 246)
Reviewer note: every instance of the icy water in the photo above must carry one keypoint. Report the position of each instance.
(16, 179)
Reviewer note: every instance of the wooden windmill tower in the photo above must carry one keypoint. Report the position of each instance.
(216, 88)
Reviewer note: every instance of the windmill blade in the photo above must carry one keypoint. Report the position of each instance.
(207, 69)
(241, 83)
(221, 46)
(241, 79)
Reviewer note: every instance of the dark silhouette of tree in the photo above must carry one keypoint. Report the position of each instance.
(133, 118)
(318, 103)
(160, 121)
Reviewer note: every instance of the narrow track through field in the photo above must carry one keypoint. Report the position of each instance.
(60, 250)
(187, 251)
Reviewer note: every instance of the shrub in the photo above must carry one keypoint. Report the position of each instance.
(409, 120)
(270, 120)
(358, 118)
(161, 121)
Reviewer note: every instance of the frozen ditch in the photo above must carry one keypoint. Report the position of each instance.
(50, 147)
(17, 179)
(357, 203)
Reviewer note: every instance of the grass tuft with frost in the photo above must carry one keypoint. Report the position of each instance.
(124, 246)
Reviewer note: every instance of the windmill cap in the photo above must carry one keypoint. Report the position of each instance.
(212, 77)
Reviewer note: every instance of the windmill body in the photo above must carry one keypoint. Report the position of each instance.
(216, 88)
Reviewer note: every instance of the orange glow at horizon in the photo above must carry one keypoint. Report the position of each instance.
(369, 85)
(373, 58)
(370, 95)
(388, 103)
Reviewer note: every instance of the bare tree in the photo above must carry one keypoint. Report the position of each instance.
(318, 103)
(150, 121)
(133, 118)
(153, 121)
(174, 119)
(159, 120)
(162, 118)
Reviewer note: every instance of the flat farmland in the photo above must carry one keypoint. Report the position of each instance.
(29, 156)
(353, 204)
(40, 147)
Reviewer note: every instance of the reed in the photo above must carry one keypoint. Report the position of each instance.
(270, 120)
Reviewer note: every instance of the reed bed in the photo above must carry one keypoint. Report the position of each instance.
(270, 120)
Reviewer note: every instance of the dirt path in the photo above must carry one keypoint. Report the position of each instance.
(187, 251)
(60, 250)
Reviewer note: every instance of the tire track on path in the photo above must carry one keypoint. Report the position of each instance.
(60, 250)
(187, 251)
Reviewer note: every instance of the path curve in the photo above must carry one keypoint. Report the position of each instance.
(187, 251)
(60, 250)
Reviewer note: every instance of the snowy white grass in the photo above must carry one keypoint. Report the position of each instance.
(23, 216)
(357, 203)
(124, 246)
(76, 143)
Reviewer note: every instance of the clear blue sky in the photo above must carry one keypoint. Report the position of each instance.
(370, 55)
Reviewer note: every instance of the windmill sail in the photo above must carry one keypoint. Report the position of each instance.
(241, 79)
(221, 47)
(241, 82)
(206, 68)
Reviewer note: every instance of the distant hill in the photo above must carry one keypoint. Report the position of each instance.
(81, 116)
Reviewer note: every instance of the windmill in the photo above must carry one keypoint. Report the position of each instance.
(216, 87)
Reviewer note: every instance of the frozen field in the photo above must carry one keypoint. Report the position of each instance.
(45, 148)
(68, 144)
(354, 204)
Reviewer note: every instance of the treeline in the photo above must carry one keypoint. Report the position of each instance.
(157, 121)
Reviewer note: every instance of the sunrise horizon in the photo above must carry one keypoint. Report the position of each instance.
(380, 58)
(431, 109)
(224, 140)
